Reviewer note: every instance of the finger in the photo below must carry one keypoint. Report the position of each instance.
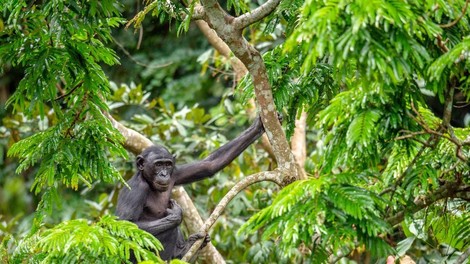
(198, 235)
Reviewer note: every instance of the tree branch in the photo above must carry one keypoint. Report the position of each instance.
(449, 102)
(256, 15)
(272, 176)
(222, 48)
(223, 24)
(464, 10)
(449, 189)
(135, 142)
(199, 13)
(193, 222)
(215, 15)
(240, 72)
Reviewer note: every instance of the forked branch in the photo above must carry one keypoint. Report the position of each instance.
(272, 176)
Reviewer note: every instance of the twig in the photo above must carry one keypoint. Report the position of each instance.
(410, 134)
(464, 10)
(445, 125)
(141, 30)
(138, 62)
(272, 176)
(71, 91)
(77, 116)
(141, 35)
(429, 143)
(419, 118)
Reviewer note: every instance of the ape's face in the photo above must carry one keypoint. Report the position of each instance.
(157, 168)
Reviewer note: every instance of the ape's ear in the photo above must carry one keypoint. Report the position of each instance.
(139, 161)
(174, 158)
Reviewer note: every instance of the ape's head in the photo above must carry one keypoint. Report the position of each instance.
(156, 165)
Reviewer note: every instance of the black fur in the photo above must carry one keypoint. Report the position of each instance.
(147, 203)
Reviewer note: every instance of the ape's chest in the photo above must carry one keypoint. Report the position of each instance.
(155, 207)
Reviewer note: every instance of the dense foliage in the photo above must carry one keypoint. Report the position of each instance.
(76, 241)
(386, 176)
(380, 156)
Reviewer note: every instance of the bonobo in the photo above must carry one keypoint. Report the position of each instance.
(147, 203)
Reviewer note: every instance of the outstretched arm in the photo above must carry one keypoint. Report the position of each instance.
(220, 158)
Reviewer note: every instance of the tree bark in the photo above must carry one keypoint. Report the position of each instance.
(299, 141)
(240, 72)
(222, 48)
(230, 29)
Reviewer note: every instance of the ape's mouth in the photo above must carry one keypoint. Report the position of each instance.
(161, 185)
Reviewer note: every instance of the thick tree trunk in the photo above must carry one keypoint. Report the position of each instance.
(230, 29)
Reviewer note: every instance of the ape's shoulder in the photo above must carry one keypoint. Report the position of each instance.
(132, 198)
(137, 183)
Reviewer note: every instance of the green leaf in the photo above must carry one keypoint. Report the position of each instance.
(404, 245)
(362, 129)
